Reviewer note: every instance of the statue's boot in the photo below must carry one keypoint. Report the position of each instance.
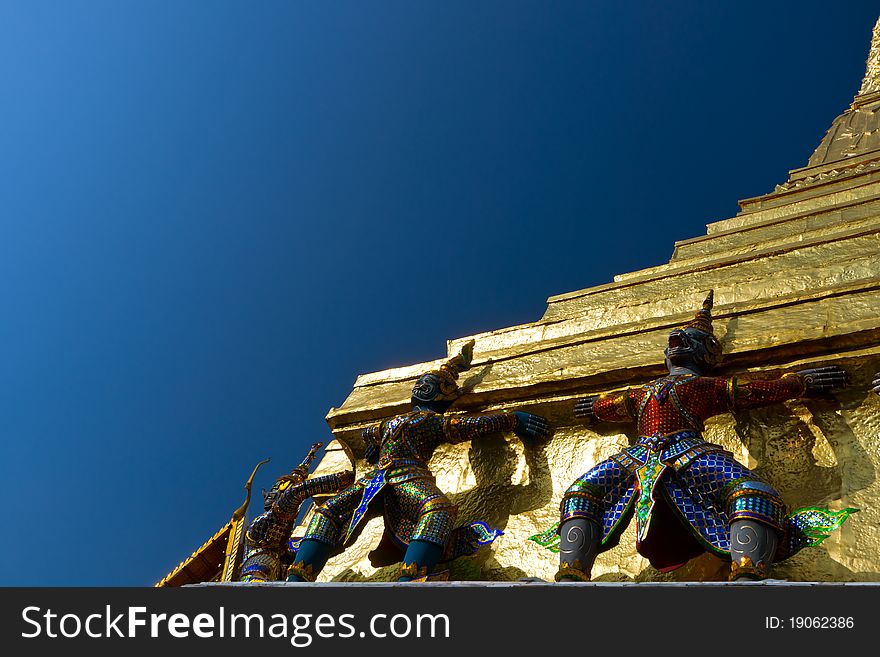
(311, 557)
(752, 546)
(419, 561)
(578, 545)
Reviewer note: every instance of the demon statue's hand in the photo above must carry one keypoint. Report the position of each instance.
(346, 479)
(875, 384)
(823, 379)
(467, 353)
(583, 408)
(371, 453)
(371, 444)
(530, 426)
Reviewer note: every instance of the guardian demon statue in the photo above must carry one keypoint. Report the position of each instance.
(419, 518)
(688, 496)
(269, 545)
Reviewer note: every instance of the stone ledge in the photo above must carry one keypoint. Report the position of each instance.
(777, 583)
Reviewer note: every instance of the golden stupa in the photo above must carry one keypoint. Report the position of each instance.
(796, 275)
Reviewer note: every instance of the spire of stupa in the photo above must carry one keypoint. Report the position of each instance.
(871, 83)
(856, 132)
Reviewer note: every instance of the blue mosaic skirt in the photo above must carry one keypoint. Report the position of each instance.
(684, 493)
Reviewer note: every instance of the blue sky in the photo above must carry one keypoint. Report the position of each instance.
(214, 216)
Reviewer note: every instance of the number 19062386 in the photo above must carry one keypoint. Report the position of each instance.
(821, 622)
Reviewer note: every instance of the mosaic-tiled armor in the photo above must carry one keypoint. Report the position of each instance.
(687, 495)
(269, 544)
(419, 517)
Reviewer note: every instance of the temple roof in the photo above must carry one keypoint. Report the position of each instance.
(204, 565)
(220, 557)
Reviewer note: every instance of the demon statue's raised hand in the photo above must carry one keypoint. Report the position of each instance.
(419, 518)
(688, 496)
(269, 545)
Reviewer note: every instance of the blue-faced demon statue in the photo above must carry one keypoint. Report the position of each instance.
(269, 544)
(687, 495)
(419, 517)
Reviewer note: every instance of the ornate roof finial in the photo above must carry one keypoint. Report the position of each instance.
(238, 514)
(871, 83)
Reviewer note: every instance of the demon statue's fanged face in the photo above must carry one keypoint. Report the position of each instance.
(428, 393)
(281, 484)
(437, 389)
(693, 349)
(294, 478)
(426, 388)
(694, 345)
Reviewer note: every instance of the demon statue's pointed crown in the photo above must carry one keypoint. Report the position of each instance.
(695, 342)
(702, 321)
(442, 384)
(303, 468)
(296, 476)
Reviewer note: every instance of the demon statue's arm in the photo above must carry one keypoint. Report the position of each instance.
(323, 485)
(461, 428)
(736, 394)
(617, 407)
(875, 384)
